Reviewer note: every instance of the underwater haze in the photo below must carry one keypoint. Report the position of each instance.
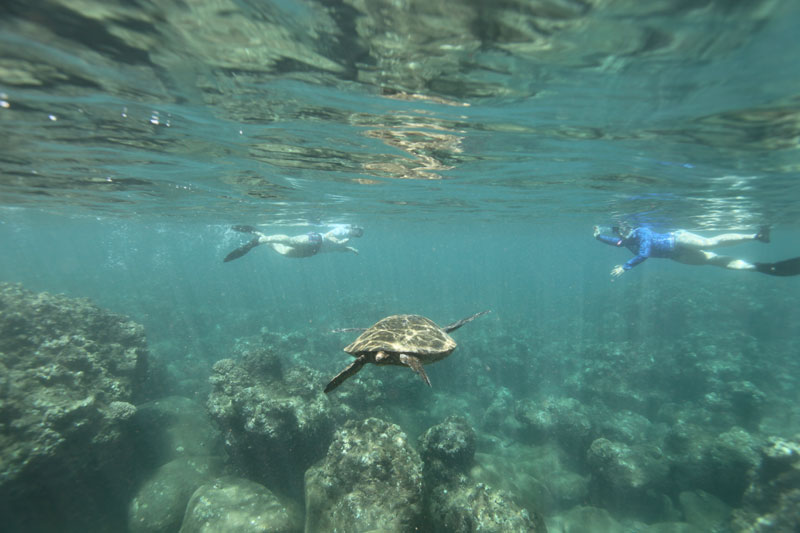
(477, 144)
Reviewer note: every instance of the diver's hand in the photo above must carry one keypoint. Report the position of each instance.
(617, 271)
(596, 231)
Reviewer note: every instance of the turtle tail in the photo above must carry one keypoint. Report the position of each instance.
(455, 325)
(350, 370)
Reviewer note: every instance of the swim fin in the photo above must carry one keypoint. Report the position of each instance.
(244, 229)
(240, 251)
(789, 267)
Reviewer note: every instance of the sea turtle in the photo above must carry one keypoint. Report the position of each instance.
(406, 340)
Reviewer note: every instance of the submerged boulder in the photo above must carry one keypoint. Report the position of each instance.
(235, 504)
(159, 504)
(371, 479)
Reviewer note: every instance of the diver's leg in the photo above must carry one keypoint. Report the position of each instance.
(703, 257)
(281, 248)
(297, 246)
(686, 239)
(270, 239)
(240, 251)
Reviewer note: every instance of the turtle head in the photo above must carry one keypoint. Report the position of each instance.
(356, 231)
(382, 358)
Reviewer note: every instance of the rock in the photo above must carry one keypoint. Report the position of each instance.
(236, 504)
(704, 510)
(748, 403)
(722, 465)
(69, 374)
(535, 475)
(784, 516)
(447, 450)
(564, 419)
(471, 508)
(261, 407)
(771, 502)
(174, 427)
(731, 462)
(628, 478)
(160, 502)
(121, 411)
(499, 415)
(371, 478)
(673, 527)
(586, 519)
(624, 426)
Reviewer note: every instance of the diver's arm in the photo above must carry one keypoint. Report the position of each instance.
(330, 237)
(644, 253)
(607, 239)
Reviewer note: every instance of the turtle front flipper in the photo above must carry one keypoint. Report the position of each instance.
(350, 370)
(348, 330)
(414, 364)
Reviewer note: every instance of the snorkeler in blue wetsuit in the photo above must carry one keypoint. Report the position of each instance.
(690, 249)
(305, 245)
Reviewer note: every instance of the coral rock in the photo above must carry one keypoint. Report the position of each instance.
(447, 449)
(371, 478)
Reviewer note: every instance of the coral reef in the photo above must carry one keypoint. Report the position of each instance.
(771, 502)
(628, 479)
(370, 479)
(69, 375)
(470, 508)
(235, 504)
(455, 502)
(564, 420)
(719, 464)
(260, 406)
(447, 450)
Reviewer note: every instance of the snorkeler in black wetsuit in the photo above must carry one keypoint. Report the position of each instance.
(306, 245)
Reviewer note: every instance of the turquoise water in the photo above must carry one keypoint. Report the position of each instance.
(476, 142)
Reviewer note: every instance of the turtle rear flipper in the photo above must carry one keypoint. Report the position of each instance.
(414, 364)
(455, 325)
(240, 251)
(350, 370)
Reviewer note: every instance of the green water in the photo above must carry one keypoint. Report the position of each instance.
(476, 142)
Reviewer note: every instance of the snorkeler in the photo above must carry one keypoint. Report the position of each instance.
(305, 245)
(691, 249)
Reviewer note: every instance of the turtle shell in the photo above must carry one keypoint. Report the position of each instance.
(409, 334)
